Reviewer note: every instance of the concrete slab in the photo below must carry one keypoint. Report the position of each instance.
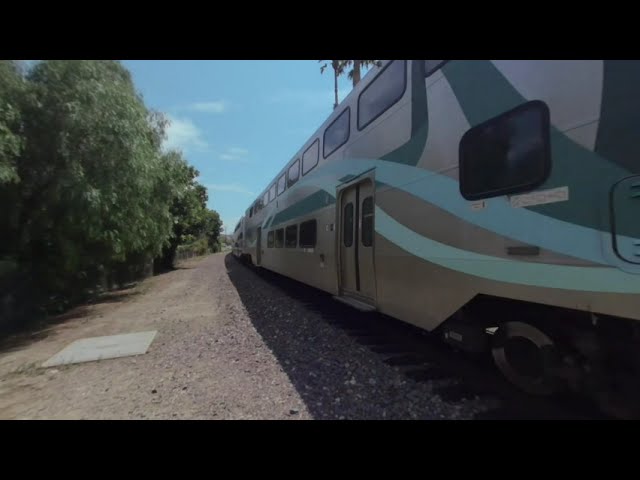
(100, 348)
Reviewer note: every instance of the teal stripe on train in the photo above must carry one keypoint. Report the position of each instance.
(313, 202)
(439, 190)
(498, 216)
(592, 279)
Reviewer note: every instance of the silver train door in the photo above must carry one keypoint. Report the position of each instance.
(356, 242)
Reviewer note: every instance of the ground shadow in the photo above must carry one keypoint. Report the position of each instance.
(326, 367)
(307, 336)
(41, 326)
(114, 297)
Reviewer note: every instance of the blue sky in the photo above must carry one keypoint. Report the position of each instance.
(237, 121)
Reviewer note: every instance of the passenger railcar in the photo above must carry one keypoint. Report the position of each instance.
(495, 202)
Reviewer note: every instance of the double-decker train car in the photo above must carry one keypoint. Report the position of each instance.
(237, 247)
(494, 202)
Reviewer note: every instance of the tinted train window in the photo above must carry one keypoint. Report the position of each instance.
(337, 133)
(385, 90)
(431, 66)
(291, 236)
(347, 225)
(308, 234)
(270, 239)
(272, 192)
(281, 184)
(294, 172)
(279, 238)
(367, 222)
(508, 154)
(310, 157)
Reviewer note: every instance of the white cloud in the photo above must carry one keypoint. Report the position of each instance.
(229, 187)
(238, 151)
(183, 134)
(234, 154)
(219, 106)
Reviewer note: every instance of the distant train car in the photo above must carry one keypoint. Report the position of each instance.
(238, 240)
(494, 202)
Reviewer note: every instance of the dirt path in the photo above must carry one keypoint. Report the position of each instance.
(206, 362)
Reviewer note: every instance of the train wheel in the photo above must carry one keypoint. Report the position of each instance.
(527, 357)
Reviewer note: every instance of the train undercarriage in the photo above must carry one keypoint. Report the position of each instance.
(547, 351)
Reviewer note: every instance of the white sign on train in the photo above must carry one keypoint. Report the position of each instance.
(560, 194)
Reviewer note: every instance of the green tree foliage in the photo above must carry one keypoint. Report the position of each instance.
(11, 87)
(188, 207)
(89, 194)
(212, 230)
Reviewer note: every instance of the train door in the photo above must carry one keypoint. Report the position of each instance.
(259, 246)
(356, 241)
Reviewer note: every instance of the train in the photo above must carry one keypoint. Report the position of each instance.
(495, 203)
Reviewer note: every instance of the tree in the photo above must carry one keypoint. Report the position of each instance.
(338, 69)
(340, 66)
(93, 191)
(11, 140)
(90, 197)
(355, 73)
(212, 229)
(188, 207)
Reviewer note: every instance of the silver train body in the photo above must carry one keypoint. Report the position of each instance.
(472, 197)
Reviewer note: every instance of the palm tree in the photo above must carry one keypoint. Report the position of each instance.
(338, 69)
(355, 72)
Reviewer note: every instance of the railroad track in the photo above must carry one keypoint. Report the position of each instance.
(422, 357)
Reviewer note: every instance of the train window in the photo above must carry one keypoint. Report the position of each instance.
(507, 154)
(382, 93)
(308, 234)
(347, 225)
(291, 236)
(270, 239)
(280, 238)
(272, 193)
(310, 157)
(432, 66)
(265, 199)
(282, 182)
(337, 133)
(294, 172)
(367, 222)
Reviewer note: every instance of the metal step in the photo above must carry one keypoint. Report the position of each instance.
(352, 302)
